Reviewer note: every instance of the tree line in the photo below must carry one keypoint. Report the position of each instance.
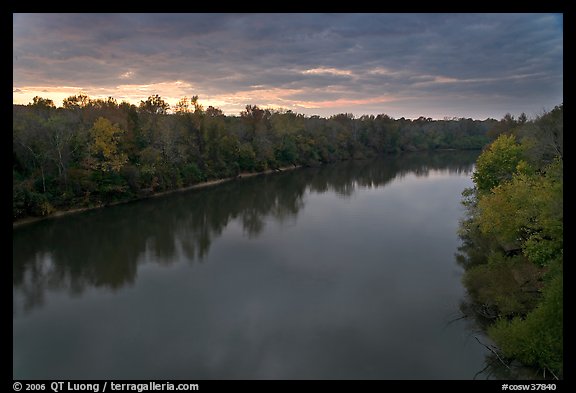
(93, 152)
(513, 243)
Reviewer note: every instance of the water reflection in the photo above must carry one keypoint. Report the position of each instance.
(494, 366)
(104, 248)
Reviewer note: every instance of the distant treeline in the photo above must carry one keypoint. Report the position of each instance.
(513, 250)
(93, 152)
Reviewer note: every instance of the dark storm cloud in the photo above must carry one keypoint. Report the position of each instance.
(505, 62)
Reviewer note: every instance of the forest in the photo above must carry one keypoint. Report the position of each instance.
(96, 152)
(512, 248)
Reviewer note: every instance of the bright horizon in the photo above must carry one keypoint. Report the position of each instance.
(405, 65)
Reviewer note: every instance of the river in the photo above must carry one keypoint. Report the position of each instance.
(346, 271)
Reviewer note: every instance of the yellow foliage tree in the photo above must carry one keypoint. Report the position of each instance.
(526, 212)
(104, 153)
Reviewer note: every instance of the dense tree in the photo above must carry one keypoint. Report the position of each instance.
(543, 137)
(513, 242)
(537, 339)
(526, 213)
(64, 142)
(256, 120)
(76, 102)
(45, 103)
(497, 163)
(95, 150)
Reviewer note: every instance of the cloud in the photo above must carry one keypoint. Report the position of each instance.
(461, 60)
(127, 75)
(327, 70)
(343, 102)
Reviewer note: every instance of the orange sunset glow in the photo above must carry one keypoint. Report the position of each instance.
(316, 64)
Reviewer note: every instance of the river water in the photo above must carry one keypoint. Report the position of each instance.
(346, 271)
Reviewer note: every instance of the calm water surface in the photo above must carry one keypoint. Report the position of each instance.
(346, 271)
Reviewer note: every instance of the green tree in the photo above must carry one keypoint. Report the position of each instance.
(526, 213)
(537, 339)
(516, 221)
(497, 163)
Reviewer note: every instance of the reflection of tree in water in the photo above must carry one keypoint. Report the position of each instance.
(495, 366)
(102, 248)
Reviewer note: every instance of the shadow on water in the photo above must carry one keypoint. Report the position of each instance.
(104, 248)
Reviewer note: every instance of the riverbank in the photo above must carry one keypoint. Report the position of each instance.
(209, 183)
(513, 252)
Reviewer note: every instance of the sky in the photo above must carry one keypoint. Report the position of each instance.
(405, 65)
